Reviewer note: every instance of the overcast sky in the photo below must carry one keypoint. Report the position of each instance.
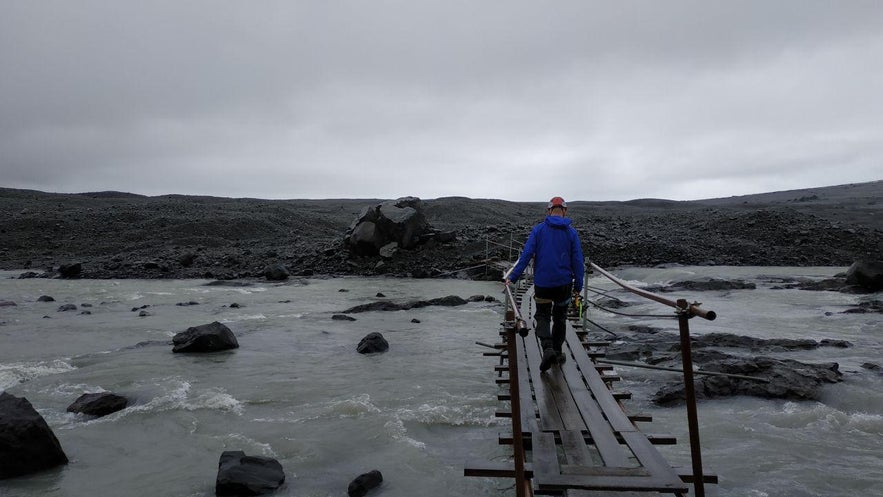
(590, 100)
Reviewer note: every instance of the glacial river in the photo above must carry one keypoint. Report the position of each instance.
(296, 390)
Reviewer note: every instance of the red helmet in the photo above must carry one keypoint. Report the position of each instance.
(557, 202)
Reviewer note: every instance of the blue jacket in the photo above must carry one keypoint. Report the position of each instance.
(559, 256)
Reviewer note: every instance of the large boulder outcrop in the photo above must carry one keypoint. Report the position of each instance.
(866, 274)
(239, 474)
(212, 337)
(400, 222)
(98, 404)
(27, 444)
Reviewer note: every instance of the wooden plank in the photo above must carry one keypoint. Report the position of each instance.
(528, 411)
(611, 408)
(641, 417)
(550, 418)
(601, 433)
(686, 476)
(561, 483)
(494, 469)
(567, 469)
(575, 449)
(555, 383)
(545, 456)
(649, 457)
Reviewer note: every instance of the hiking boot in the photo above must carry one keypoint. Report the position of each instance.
(549, 356)
(562, 357)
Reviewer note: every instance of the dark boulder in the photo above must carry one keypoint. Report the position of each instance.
(372, 343)
(873, 306)
(70, 270)
(342, 317)
(210, 337)
(475, 298)
(228, 283)
(866, 274)
(45, 298)
(711, 284)
(276, 272)
(27, 444)
(363, 483)
(7, 303)
(98, 404)
(186, 259)
(788, 379)
(377, 306)
(239, 474)
(67, 307)
(450, 300)
(415, 321)
(741, 341)
(400, 222)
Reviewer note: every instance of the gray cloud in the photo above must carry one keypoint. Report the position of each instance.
(516, 100)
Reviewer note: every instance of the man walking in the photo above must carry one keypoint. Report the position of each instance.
(558, 271)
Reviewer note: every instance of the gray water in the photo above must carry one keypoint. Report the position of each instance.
(297, 391)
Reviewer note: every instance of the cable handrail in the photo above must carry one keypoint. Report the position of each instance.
(681, 304)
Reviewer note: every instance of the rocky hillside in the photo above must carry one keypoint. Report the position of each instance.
(121, 235)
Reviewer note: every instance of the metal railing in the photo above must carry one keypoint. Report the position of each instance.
(684, 312)
(515, 323)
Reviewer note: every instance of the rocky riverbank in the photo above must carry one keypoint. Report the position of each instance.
(120, 235)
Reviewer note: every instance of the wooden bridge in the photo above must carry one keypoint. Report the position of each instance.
(570, 433)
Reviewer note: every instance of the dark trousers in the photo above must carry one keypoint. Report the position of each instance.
(552, 307)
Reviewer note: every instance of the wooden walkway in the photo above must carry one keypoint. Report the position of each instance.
(577, 438)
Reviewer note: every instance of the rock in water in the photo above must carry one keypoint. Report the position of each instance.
(372, 343)
(210, 337)
(866, 274)
(239, 474)
(788, 379)
(363, 483)
(27, 444)
(98, 404)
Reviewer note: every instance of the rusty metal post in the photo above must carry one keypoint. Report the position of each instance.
(684, 313)
(515, 401)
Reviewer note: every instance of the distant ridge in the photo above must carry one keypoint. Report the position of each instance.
(652, 202)
(111, 194)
